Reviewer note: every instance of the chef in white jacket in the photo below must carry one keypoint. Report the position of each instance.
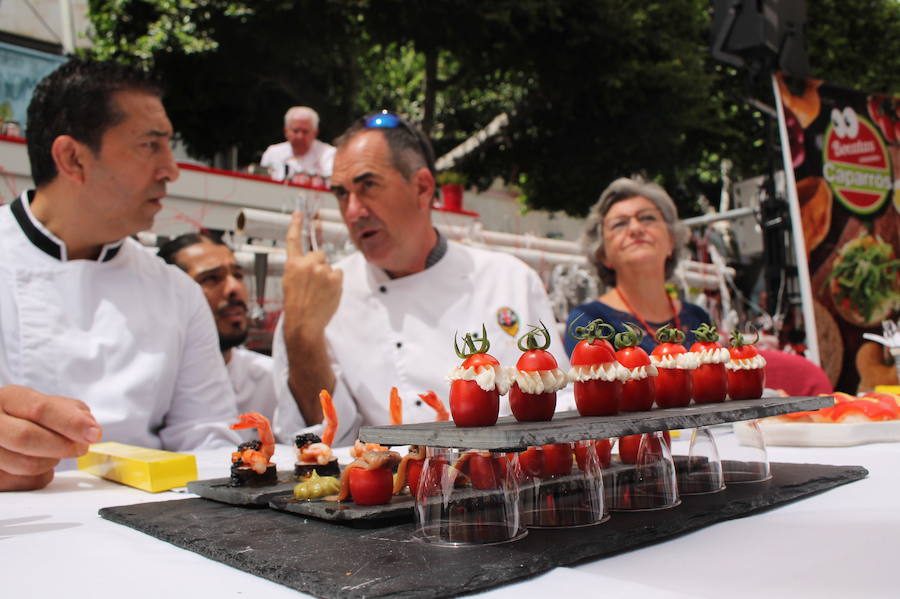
(406, 292)
(98, 337)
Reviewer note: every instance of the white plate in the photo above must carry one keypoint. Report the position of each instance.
(814, 434)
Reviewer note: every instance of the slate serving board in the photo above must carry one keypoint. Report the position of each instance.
(330, 560)
(570, 426)
(220, 489)
(400, 507)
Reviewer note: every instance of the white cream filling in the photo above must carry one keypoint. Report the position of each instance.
(754, 363)
(608, 371)
(642, 372)
(487, 377)
(685, 361)
(539, 381)
(712, 356)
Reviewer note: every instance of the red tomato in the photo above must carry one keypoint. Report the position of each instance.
(630, 445)
(745, 384)
(589, 353)
(413, 473)
(470, 405)
(709, 380)
(536, 359)
(598, 398)
(603, 447)
(673, 385)
(371, 487)
(628, 448)
(557, 459)
(531, 461)
(486, 472)
(637, 395)
(531, 407)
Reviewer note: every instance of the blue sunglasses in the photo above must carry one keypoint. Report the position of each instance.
(389, 120)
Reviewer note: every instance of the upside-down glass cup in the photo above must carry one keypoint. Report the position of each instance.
(468, 497)
(645, 480)
(747, 462)
(700, 471)
(562, 486)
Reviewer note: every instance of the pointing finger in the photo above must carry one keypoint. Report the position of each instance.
(294, 239)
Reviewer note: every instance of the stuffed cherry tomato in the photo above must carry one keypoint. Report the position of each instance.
(369, 479)
(557, 459)
(535, 379)
(595, 374)
(709, 380)
(674, 364)
(630, 445)
(486, 471)
(638, 393)
(746, 369)
(477, 384)
(603, 449)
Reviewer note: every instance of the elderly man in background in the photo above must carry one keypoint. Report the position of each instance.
(302, 152)
(211, 263)
(405, 291)
(99, 338)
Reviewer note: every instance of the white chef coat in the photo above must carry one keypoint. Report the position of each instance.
(250, 373)
(127, 334)
(318, 159)
(399, 333)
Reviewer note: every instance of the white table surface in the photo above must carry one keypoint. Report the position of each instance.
(841, 543)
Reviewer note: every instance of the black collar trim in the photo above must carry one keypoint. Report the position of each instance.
(41, 240)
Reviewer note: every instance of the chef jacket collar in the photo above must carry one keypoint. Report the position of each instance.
(434, 256)
(43, 239)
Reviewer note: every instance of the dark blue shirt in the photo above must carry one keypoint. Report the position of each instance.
(691, 317)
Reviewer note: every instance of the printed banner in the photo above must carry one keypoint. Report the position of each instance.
(845, 153)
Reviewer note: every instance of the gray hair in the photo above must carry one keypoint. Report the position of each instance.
(301, 112)
(592, 242)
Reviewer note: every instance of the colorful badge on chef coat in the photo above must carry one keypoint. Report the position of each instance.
(508, 320)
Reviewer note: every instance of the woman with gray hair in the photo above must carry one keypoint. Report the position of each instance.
(633, 238)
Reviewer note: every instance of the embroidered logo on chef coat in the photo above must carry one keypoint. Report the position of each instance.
(508, 320)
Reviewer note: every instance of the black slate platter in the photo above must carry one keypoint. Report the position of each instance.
(330, 560)
(220, 489)
(570, 426)
(401, 506)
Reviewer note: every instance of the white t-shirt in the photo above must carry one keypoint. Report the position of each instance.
(127, 334)
(318, 160)
(399, 333)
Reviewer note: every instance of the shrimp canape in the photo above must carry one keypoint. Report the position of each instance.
(313, 453)
(251, 464)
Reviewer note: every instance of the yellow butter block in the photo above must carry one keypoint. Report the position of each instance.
(152, 470)
(888, 389)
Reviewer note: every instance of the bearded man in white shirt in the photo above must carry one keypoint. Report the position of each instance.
(404, 294)
(98, 337)
(212, 264)
(302, 152)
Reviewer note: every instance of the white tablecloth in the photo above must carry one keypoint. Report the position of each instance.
(841, 543)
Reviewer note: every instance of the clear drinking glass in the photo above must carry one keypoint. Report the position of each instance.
(645, 479)
(747, 462)
(468, 497)
(700, 471)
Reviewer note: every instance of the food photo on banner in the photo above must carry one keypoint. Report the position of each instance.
(845, 156)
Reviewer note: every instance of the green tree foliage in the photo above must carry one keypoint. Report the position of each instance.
(594, 90)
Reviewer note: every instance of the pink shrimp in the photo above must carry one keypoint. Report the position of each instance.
(256, 459)
(359, 448)
(319, 453)
(396, 407)
(435, 402)
(331, 417)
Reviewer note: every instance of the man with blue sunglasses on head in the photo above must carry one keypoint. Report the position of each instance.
(405, 292)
